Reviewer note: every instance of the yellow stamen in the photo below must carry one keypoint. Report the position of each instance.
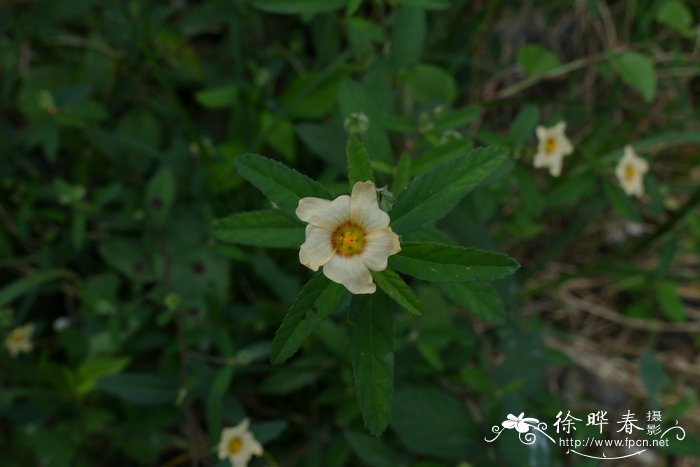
(235, 445)
(348, 239)
(550, 145)
(630, 172)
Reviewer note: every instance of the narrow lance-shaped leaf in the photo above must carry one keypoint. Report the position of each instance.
(372, 351)
(392, 284)
(436, 262)
(317, 299)
(431, 196)
(359, 166)
(282, 185)
(269, 228)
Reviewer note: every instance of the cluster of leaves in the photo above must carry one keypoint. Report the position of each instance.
(128, 129)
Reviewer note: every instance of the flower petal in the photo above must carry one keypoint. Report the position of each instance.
(350, 272)
(541, 132)
(509, 424)
(317, 249)
(323, 213)
(364, 207)
(380, 245)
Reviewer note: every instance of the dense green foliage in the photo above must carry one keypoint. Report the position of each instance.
(153, 155)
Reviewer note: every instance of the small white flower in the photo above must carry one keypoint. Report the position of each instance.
(19, 340)
(553, 146)
(522, 425)
(630, 172)
(356, 123)
(347, 236)
(238, 445)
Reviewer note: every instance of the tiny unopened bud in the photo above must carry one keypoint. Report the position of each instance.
(356, 123)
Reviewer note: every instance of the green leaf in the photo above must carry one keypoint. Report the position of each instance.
(408, 36)
(317, 299)
(282, 185)
(439, 155)
(217, 98)
(298, 7)
(359, 166)
(23, 286)
(478, 298)
(392, 284)
(637, 70)
(140, 388)
(536, 60)
(436, 262)
(92, 370)
(428, 83)
(372, 353)
(524, 125)
(269, 228)
(372, 451)
(670, 302)
(457, 118)
(621, 202)
(403, 173)
(430, 422)
(160, 194)
(325, 141)
(676, 15)
(433, 195)
(653, 375)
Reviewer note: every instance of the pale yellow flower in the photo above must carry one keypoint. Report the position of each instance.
(238, 444)
(552, 147)
(19, 340)
(348, 236)
(630, 172)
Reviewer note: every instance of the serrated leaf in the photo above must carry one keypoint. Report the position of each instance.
(282, 185)
(439, 155)
(536, 60)
(298, 7)
(436, 262)
(359, 166)
(637, 70)
(269, 228)
(478, 298)
(434, 194)
(372, 352)
(408, 36)
(395, 287)
(317, 299)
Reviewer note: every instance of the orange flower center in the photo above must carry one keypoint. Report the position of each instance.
(235, 445)
(348, 239)
(550, 145)
(630, 172)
